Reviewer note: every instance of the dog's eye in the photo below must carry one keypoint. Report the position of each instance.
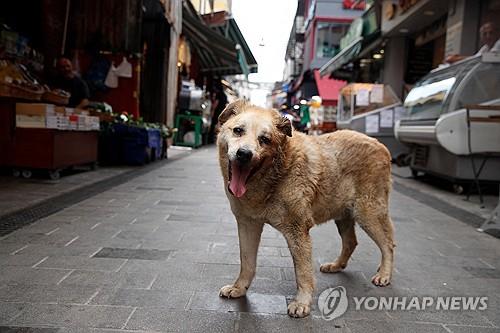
(264, 140)
(238, 130)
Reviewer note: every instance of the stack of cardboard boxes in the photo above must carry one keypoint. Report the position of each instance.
(40, 115)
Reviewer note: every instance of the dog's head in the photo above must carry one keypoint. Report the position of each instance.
(251, 137)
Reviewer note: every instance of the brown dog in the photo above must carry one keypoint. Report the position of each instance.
(292, 182)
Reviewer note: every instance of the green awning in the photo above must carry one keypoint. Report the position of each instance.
(342, 58)
(218, 54)
(228, 28)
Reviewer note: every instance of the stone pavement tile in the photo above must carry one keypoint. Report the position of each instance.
(97, 330)
(25, 238)
(165, 269)
(203, 257)
(270, 287)
(442, 317)
(140, 254)
(271, 323)
(143, 298)
(335, 325)
(19, 259)
(471, 329)
(9, 311)
(83, 263)
(252, 302)
(9, 248)
(139, 280)
(90, 242)
(179, 246)
(31, 276)
(167, 320)
(57, 251)
(232, 271)
(363, 326)
(46, 293)
(58, 315)
(20, 329)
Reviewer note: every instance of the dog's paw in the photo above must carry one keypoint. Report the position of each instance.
(331, 267)
(231, 291)
(381, 279)
(298, 310)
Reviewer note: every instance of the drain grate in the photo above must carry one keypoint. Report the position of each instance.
(18, 219)
(142, 254)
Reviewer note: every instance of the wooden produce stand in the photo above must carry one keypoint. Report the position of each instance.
(28, 149)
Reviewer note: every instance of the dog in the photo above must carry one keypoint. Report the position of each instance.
(292, 181)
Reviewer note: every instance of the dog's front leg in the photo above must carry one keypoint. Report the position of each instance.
(249, 235)
(299, 243)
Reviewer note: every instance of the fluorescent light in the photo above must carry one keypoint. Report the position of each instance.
(377, 56)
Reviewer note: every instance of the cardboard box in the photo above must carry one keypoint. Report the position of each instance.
(35, 109)
(57, 122)
(29, 121)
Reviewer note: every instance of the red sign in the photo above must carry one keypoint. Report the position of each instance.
(354, 4)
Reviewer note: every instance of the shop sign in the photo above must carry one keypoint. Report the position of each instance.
(355, 31)
(371, 124)
(354, 4)
(363, 97)
(403, 6)
(386, 118)
(437, 29)
(453, 39)
(377, 93)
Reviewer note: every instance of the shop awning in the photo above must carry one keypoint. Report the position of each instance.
(328, 89)
(218, 55)
(228, 28)
(342, 58)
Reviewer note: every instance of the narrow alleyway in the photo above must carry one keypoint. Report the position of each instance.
(152, 253)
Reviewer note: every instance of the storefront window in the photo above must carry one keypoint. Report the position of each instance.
(328, 37)
(482, 86)
(426, 100)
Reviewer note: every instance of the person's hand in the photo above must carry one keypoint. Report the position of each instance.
(454, 58)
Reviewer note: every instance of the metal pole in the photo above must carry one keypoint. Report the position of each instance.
(65, 31)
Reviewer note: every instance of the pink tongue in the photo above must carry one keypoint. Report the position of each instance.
(237, 184)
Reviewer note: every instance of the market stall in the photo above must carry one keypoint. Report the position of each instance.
(371, 109)
(452, 122)
(38, 131)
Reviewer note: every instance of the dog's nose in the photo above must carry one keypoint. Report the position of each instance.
(244, 155)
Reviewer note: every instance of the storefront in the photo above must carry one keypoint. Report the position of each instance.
(107, 45)
(212, 47)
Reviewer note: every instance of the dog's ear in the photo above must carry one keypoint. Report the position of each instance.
(284, 126)
(231, 110)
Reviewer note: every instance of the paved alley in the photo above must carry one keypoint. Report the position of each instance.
(150, 255)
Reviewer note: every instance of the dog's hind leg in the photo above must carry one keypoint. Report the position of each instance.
(249, 233)
(380, 229)
(349, 243)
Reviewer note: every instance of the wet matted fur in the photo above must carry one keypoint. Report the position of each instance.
(292, 181)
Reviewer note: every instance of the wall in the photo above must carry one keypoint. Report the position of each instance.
(395, 64)
(462, 27)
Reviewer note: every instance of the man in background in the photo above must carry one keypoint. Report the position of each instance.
(66, 79)
(490, 41)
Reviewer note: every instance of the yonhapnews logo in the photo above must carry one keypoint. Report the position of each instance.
(333, 303)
